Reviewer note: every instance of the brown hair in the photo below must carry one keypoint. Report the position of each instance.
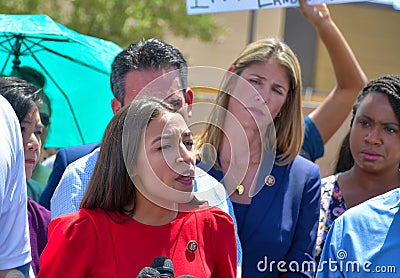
(111, 187)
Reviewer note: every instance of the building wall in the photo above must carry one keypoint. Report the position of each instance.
(374, 35)
(222, 52)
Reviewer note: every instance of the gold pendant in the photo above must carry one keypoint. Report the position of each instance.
(240, 189)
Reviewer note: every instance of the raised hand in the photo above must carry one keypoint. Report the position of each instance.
(315, 14)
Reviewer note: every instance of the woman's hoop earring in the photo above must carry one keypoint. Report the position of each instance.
(179, 160)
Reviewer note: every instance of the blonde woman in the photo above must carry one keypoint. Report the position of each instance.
(276, 211)
(274, 191)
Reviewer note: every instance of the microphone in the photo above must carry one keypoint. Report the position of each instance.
(164, 266)
(148, 272)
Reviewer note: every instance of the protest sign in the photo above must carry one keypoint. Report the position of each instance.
(216, 6)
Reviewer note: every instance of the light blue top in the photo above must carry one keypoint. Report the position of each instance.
(72, 186)
(70, 190)
(365, 240)
(15, 249)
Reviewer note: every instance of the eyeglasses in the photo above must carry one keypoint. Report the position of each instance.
(45, 119)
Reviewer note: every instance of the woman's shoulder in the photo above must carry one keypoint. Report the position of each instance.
(300, 160)
(329, 182)
(205, 213)
(378, 206)
(37, 213)
(70, 232)
(80, 214)
(37, 208)
(81, 220)
(301, 165)
(213, 215)
(303, 172)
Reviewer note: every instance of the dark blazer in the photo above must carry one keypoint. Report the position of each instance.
(64, 157)
(281, 222)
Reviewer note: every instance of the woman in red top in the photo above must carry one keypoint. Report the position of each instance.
(140, 205)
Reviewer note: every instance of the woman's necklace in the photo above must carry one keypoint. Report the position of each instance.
(269, 180)
(240, 175)
(246, 185)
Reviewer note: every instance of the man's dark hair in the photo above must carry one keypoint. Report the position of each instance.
(152, 54)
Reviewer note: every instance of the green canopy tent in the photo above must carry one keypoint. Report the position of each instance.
(76, 68)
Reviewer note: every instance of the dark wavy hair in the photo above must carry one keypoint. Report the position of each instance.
(111, 187)
(22, 95)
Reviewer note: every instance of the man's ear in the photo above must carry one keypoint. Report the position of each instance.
(189, 100)
(189, 96)
(115, 105)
